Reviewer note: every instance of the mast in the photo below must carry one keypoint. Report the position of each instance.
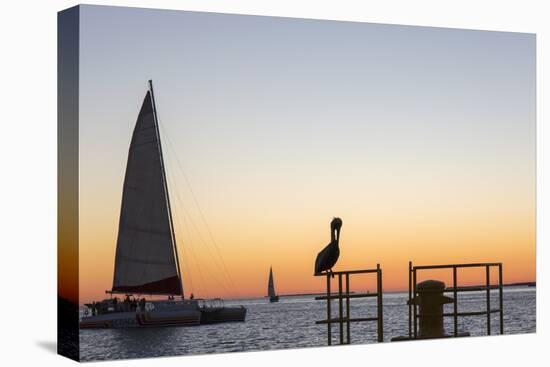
(175, 248)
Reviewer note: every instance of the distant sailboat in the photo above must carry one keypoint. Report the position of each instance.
(146, 260)
(273, 297)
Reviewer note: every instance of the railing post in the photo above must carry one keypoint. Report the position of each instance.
(415, 313)
(500, 298)
(414, 305)
(347, 310)
(455, 306)
(340, 309)
(488, 296)
(410, 299)
(329, 324)
(344, 316)
(379, 305)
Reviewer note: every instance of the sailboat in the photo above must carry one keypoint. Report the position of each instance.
(146, 260)
(271, 288)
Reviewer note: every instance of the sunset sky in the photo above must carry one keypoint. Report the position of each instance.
(421, 139)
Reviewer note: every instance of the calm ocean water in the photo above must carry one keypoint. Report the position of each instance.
(291, 324)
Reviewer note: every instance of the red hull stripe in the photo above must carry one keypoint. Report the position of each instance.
(164, 286)
(147, 321)
(95, 325)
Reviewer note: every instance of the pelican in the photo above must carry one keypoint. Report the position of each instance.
(327, 258)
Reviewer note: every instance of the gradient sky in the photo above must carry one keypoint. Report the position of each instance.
(421, 139)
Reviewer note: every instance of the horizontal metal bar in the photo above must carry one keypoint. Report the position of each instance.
(352, 295)
(461, 289)
(345, 319)
(451, 314)
(474, 313)
(471, 288)
(364, 271)
(473, 265)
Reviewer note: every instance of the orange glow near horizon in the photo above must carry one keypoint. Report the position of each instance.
(250, 244)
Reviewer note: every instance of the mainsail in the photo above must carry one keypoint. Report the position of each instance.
(270, 284)
(146, 254)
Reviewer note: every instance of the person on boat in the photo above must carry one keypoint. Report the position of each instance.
(142, 305)
(192, 296)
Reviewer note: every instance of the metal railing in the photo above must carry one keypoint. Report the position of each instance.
(345, 319)
(455, 289)
(210, 304)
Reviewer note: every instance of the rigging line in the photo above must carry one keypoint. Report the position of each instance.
(221, 283)
(157, 120)
(165, 184)
(201, 238)
(183, 242)
(214, 274)
(185, 260)
(185, 213)
(220, 258)
(227, 273)
(184, 252)
(192, 222)
(193, 255)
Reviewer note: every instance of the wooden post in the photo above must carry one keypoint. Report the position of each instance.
(455, 306)
(328, 311)
(488, 296)
(347, 310)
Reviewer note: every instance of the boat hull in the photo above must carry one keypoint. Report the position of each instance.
(165, 314)
(142, 319)
(225, 314)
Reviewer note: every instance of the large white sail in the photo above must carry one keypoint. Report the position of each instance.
(270, 284)
(146, 254)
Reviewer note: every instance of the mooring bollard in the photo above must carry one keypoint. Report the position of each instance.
(426, 300)
(430, 301)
